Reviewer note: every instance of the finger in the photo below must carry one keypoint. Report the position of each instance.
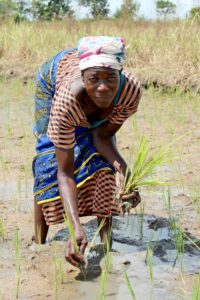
(121, 183)
(129, 196)
(83, 245)
(73, 262)
(77, 257)
(136, 203)
(69, 252)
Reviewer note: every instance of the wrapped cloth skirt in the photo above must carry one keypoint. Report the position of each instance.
(94, 177)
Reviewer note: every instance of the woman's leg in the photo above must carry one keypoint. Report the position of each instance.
(96, 197)
(53, 212)
(41, 229)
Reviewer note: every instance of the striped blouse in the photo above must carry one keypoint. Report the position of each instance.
(66, 112)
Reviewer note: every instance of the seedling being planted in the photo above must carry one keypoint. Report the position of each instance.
(70, 228)
(145, 165)
(144, 169)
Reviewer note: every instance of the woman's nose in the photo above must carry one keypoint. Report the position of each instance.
(102, 86)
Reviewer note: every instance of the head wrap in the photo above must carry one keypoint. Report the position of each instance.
(101, 51)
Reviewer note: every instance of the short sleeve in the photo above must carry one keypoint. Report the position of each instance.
(128, 101)
(65, 116)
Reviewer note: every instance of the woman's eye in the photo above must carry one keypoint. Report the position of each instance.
(112, 79)
(92, 80)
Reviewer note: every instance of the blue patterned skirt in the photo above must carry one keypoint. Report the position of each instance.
(87, 161)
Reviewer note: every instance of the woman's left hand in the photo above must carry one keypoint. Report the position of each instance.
(133, 198)
(129, 200)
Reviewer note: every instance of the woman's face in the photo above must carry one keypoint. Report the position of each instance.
(101, 85)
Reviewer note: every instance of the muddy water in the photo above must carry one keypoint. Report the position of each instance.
(131, 235)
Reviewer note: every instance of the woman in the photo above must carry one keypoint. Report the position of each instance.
(77, 159)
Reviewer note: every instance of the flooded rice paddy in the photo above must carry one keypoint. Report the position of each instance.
(157, 245)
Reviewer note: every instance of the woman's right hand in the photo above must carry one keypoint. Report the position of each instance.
(71, 255)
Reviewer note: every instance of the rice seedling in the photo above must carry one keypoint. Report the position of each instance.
(180, 173)
(2, 229)
(166, 197)
(3, 167)
(105, 272)
(129, 286)
(196, 288)
(178, 236)
(191, 241)
(179, 239)
(143, 171)
(18, 261)
(60, 269)
(169, 201)
(195, 196)
(70, 228)
(92, 243)
(140, 221)
(58, 277)
(19, 187)
(149, 260)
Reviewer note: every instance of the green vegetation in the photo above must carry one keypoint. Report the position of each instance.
(18, 261)
(128, 9)
(149, 258)
(195, 13)
(106, 270)
(98, 8)
(70, 227)
(145, 164)
(58, 275)
(92, 243)
(165, 8)
(129, 286)
(21, 10)
(196, 288)
(153, 51)
(51, 9)
(2, 230)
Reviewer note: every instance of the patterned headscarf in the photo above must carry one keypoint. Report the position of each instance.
(101, 51)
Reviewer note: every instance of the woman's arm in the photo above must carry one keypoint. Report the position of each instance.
(103, 137)
(68, 193)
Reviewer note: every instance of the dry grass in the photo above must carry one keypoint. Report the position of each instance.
(160, 53)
